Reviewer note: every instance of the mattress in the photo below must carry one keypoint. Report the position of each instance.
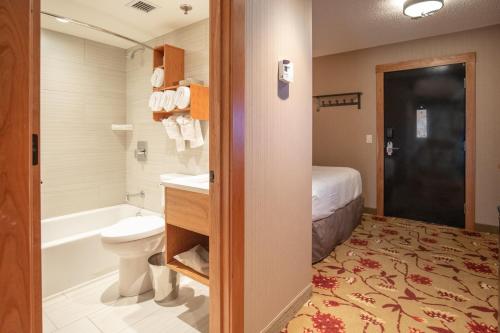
(332, 189)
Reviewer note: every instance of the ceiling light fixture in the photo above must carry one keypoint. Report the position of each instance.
(186, 8)
(421, 8)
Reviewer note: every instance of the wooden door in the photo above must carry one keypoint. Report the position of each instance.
(20, 287)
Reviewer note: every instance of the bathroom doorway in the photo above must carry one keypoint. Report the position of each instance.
(227, 282)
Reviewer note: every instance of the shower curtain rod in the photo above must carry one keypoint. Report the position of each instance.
(94, 27)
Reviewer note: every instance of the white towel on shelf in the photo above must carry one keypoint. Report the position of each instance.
(169, 100)
(155, 101)
(191, 130)
(157, 77)
(183, 97)
(173, 132)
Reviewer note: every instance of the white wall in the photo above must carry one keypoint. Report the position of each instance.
(162, 156)
(82, 93)
(278, 159)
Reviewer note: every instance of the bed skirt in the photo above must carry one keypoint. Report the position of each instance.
(327, 233)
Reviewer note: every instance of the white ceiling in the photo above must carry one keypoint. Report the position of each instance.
(114, 15)
(346, 25)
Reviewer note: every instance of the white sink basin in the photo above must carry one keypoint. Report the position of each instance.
(199, 183)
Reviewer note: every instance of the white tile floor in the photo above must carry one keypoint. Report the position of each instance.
(97, 308)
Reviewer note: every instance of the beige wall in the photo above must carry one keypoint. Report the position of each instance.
(82, 93)
(277, 159)
(339, 134)
(162, 156)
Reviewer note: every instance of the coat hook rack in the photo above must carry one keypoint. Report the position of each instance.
(333, 100)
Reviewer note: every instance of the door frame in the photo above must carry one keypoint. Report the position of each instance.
(227, 147)
(20, 269)
(469, 59)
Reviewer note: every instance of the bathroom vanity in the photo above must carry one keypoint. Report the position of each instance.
(186, 219)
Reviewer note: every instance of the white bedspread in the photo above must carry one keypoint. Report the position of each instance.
(333, 188)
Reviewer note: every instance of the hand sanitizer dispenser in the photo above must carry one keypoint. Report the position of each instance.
(285, 71)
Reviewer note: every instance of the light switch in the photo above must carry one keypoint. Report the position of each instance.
(369, 138)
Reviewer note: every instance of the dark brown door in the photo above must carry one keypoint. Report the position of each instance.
(424, 155)
(20, 288)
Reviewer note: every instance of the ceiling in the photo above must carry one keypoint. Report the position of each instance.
(346, 25)
(114, 15)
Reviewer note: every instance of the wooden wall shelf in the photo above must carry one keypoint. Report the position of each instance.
(171, 59)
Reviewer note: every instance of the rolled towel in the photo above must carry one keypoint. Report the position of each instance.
(169, 100)
(190, 130)
(157, 77)
(173, 132)
(183, 97)
(155, 101)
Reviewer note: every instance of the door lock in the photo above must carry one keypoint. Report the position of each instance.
(389, 149)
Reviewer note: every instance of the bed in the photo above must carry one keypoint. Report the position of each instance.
(337, 205)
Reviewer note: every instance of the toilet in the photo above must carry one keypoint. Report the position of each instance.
(134, 239)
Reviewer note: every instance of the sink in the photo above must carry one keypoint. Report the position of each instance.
(199, 183)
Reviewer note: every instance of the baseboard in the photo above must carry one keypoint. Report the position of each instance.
(289, 311)
(492, 229)
(368, 210)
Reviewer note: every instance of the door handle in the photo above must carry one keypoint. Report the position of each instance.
(389, 149)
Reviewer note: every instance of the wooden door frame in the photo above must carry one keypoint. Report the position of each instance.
(469, 59)
(227, 147)
(20, 248)
(20, 198)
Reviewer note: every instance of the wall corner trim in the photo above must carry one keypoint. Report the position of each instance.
(289, 311)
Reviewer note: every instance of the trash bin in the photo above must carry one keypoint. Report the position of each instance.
(165, 281)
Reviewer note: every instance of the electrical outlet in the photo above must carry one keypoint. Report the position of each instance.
(369, 138)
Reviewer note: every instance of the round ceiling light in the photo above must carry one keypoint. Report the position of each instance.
(421, 8)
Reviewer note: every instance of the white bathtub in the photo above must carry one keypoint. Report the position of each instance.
(72, 253)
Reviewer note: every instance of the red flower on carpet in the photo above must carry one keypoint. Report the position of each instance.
(475, 327)
(360, 242)
(494, 249)
(480, 268)
(325, 282)
(428, 240)
(429, 268)
(471, 233)
(379, 218)
(327, 323)
(415, 330)
(389, 231)
(369, 263)
(358, 269)
(331, 303)
(420, 279)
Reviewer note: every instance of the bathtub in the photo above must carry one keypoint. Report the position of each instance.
(72, 253)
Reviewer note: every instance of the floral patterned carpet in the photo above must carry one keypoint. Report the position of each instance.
(396, 275)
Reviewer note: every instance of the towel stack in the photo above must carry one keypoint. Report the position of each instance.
(157, 77)
(168, 100)
(184, 128)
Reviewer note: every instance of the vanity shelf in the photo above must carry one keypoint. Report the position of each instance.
(185, 270)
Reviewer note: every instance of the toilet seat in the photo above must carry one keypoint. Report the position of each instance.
(133, 228)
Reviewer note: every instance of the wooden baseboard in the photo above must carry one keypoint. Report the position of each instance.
(289, 311)
(368, 210)
(492, 229)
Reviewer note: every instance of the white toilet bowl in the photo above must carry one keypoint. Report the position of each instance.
(134, 239)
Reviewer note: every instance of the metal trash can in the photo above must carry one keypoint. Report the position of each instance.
(165, 281)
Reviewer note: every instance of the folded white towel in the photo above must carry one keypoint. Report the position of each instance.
(173, 132)
(155, 101)
(169, 100)
(190, 130)
(183, 97)
(157, 77)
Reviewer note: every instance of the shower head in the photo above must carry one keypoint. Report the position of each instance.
(131, 54)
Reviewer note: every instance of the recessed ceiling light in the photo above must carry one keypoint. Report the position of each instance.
(421, 8)
(62, 19)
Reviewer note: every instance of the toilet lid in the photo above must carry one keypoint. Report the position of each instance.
(133, 228)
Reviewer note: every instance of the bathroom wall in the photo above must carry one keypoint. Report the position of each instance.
(82, 94)
(339, 134)
(278, 161)
(162, 155)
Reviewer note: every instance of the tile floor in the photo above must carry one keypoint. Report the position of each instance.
(97, 308)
